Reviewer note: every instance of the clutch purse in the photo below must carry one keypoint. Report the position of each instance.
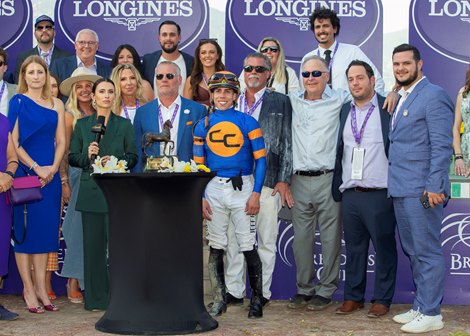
(25, 190)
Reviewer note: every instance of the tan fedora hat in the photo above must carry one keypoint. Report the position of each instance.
(79, 74)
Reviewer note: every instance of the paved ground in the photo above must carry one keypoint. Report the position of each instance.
(72, 319)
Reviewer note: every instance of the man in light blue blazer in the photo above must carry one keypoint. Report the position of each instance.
(169, 105)
(419, 158)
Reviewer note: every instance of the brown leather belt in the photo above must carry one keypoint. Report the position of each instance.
(313, 172)
(361, 189)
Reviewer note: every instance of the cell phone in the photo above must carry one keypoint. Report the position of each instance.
(424, 199)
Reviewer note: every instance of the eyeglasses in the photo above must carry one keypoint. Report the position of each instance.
(87, 43)
(315, 73)
(264, 50)
(258, 68)
(169, 76)
(41, 28)
(2, 63)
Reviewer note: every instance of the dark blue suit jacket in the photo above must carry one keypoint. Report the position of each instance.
(146, 120)
(150, 61)
(63, 67)
(338, 172)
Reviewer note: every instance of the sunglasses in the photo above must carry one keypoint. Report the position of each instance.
(41, 28)
(264, 50)
(169, 76)
(258, 68)
(315, 73)
(2, 63)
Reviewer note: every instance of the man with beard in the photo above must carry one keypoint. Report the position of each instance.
(273, 111)
(44, 32)
(169, 35)
(360, 182)
(418, 181)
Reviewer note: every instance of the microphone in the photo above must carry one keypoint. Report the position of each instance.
(99, 129)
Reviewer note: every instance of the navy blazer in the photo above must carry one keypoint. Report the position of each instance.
(150, 61)
(56, 54)
(421, 143)
(275, 119)
(63, 67)
(338, 172)
(146, 120)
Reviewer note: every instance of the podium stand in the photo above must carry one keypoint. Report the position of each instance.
(155, 254)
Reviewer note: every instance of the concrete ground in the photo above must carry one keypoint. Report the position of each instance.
(72, 319)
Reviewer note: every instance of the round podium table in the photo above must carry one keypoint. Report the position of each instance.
(155, 254)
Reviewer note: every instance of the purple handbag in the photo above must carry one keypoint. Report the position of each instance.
(24, 190)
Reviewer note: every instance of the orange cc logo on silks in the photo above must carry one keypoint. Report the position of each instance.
(225, 139)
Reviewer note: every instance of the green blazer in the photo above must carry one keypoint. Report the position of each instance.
(118, 140)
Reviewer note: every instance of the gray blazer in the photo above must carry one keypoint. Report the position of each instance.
(276, 124)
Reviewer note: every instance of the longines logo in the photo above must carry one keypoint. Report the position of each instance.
(7, 7)
(429, 16)
(456, 237)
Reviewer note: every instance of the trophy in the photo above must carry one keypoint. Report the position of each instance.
(152, 162)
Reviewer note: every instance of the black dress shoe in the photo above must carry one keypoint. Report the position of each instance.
(232, 300)
(264, 301)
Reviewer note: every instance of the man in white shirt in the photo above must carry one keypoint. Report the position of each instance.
(325, 25)
(169, 36)
(7, 90)
(315, 124)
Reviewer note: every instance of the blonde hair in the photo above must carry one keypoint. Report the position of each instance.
(72, 104)
(116, 78)
(23, 86)
(278, 70)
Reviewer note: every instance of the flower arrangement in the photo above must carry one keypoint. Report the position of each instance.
(113, 165)
(181, 166)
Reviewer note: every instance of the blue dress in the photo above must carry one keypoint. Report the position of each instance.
(37, 128)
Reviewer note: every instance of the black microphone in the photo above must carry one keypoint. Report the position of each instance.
(99, 129)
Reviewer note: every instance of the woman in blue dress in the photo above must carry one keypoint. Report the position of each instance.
(38, 133)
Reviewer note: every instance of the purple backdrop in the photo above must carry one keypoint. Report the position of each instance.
(249, 21)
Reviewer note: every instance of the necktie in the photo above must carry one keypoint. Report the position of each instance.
(398, 107)
(328, 61)
(45, 56)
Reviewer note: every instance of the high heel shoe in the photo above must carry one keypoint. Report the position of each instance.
(36, 310)
(50, 307)
(74, 296)
(52, 296)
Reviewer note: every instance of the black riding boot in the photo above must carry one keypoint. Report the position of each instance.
(217, 278)
(254, 267)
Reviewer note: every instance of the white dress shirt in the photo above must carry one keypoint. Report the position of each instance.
(92, 67)
(242, 106)
(315, 126)
(167, 113)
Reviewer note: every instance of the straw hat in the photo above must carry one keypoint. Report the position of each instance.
(79, 74)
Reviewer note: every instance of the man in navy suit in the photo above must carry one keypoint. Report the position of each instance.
(169, 35)
(169, 105)
(86, 46)
(44, 32)
(360, 182)
(418, 181)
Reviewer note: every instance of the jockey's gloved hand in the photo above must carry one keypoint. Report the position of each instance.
(237, 182)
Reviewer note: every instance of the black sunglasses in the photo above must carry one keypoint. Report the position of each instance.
(2, 63)
(258, 68)
(48, 27)
(168, 76)
(264, 50)
(315, 73)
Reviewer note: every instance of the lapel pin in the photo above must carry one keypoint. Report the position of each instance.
(186, 111)
(405, 113)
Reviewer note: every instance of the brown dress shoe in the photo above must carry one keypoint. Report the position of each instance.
(377, 310)
(349, 306)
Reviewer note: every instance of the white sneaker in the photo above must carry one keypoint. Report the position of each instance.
(423, 323)
(406, 317)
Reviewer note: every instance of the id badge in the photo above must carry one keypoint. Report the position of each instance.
(357, 163)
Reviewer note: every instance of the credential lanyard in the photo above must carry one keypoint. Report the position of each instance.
(124, 107)
(160, 117)
(332, 56)
(252, 110)
(358, 136)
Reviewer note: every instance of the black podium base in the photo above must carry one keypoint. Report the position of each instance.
(155, 254)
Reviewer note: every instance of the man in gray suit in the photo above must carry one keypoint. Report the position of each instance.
(274, 113)
(418, 181)
(7, 90)
(44, 32)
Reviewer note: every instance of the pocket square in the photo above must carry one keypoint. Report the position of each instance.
(189, 122)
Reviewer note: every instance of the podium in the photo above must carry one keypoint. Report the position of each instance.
(155, 254)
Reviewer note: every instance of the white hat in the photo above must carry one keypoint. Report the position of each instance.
(79, 74)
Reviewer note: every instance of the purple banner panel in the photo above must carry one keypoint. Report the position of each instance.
(132, 22)
(16, 26)
(440, 30)
(455, 239)
(249, 21)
